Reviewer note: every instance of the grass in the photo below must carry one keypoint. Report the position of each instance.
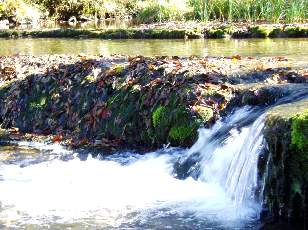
(250, 10)
(149, 11)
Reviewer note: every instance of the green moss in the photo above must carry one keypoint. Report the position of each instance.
(40, 103)
(158, 115)
(180, 134)
(105, 34)
(90, 78)
(228, 29)
(293, 32)
(296, 32)
(275, 33)
(218, 33)
(259, 32)
(118, 69)
(3, 133)
(300, 131)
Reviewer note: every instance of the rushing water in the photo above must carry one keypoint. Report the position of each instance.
(60, 188)
(212, 185)
(295, 49)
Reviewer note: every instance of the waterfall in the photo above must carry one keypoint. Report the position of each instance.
(227, 154)
(211, 184)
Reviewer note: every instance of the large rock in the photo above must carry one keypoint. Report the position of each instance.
(286, 185)
(134, 100)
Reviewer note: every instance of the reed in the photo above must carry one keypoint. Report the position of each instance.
(250, 10)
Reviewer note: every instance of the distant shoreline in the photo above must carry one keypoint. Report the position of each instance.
(171, 30)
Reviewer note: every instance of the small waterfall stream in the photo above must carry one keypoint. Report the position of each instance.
(212, 184)
(231, 159)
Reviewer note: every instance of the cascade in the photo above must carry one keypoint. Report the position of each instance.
(211, 184)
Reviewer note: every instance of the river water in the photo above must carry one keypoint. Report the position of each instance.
(294, 49)
(48, 186)
(212, 185)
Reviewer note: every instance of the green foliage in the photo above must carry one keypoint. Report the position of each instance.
(159, 12)
(251, 10)
(64, 9)
(148, 11)
(17, 9)
(8, 8)
(300, 131)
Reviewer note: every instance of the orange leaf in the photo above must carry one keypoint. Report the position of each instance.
(57, 138)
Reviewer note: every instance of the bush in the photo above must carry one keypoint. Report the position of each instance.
(64, 9)
(8, 8)
(18, 11)
(153, 11)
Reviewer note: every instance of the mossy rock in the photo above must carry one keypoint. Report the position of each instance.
(216, 33)
(106, 34)
(286, 132)
(39, 103)
(182, 134)
(173, 122)
(262, 96)
(291, 32)
(295, 32)
(276, 33)
(300, 131)
(259, 32)
(158, 116)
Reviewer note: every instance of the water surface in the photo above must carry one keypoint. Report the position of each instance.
(56, 188)
(295, 49)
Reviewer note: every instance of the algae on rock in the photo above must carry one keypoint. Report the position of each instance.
(287, 180)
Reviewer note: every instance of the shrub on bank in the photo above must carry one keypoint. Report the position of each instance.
(64, 9)
(17, 11)
(154, 11)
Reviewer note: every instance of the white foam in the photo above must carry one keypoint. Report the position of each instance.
(108, 192)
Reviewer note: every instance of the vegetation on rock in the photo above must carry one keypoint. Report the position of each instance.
(104, 34)
(163, 33)
(286, 183)
(132, 100)
(300, 131)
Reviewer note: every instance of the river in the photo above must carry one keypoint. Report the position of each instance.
(48, 186)
(211, 185)
(294, 49)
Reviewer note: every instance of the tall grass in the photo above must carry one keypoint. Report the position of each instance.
(250, 10)
(162, 10)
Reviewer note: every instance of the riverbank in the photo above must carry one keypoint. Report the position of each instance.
(133, 101)
(172, 30)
